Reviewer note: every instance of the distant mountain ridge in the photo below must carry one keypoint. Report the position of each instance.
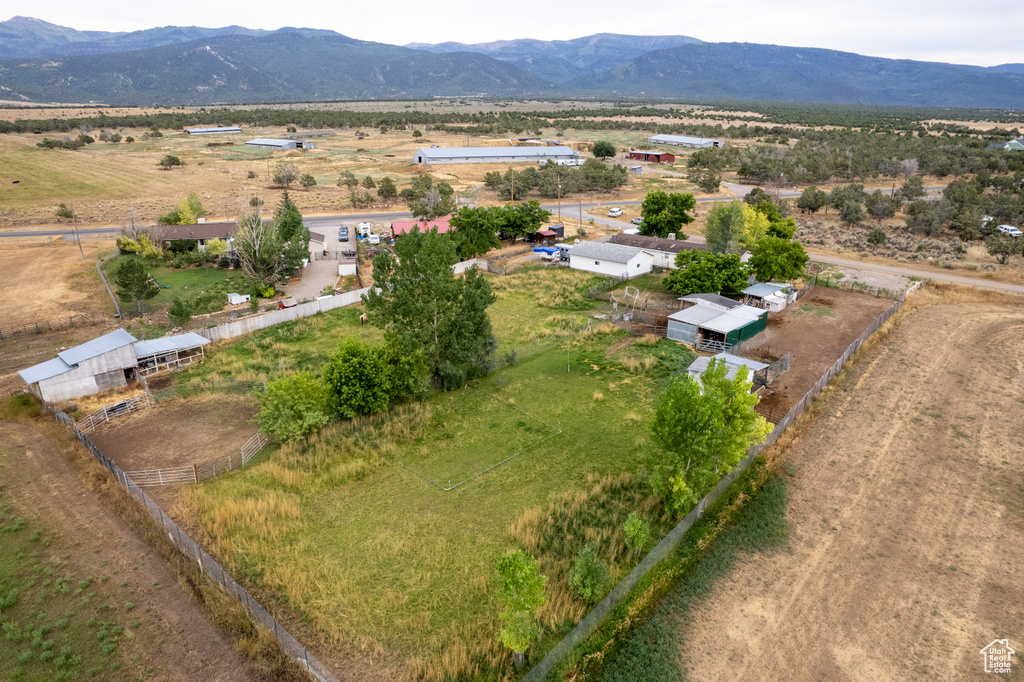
(240, 65)
(560, 61)
(773, 72)
(282, 66)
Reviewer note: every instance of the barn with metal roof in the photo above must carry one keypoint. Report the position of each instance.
(169, 352)
(685, 141)
(434, 155)
(93, 367)
(717, 328)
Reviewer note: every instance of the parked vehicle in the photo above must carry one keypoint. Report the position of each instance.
(1010, 230)
(364, 228)
(373, 239)
(614, 212)
(343, 233)
(636, 221)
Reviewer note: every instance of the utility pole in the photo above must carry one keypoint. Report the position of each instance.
(78, 235)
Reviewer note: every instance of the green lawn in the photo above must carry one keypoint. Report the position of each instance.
(345, 531)
(183, 283)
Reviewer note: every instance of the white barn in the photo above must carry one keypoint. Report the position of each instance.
(685, 141)
(433, 155)
(614, 260)
(271, 143)
(93, 367)
(213, 131)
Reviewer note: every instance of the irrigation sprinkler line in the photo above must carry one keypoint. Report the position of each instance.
(497, 464)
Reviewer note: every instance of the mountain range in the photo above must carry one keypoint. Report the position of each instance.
(44, 62)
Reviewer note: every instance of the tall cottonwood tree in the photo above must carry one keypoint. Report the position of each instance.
(259, 247)
(419, 299)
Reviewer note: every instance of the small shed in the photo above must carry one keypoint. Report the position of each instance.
(286, 303)
(170, 352)
(237, 299)
(767, 295)
(683, 325)
(707, 323)
(544, 236)
(757, 371)
(614, 260)
(651, 156)
(347, 267)
(559, 231)
(99, 365)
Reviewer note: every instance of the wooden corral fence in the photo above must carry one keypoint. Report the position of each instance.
(56, 324)
(104, 414)
(200, 472)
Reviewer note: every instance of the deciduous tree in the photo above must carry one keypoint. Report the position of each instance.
(604, 149)
(703, 428)
(774, 259)
(703, 272)
(724, 226)
(420, 300)
(476, 230)
(294, 406)
(520, 589)
(664, 214)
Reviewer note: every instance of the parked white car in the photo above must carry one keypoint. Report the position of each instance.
(614, 212)
(1010, 230)
(373, 239)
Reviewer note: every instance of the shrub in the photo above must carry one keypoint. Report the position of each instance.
(877, 236)
(293, 406)
(179, 311)
(589, 579)
(637, 532)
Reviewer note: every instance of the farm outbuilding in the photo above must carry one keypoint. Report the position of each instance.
(652, 157)
(733, 362)
(95, 366)
(767, 295)
(663, 250)
(614, 260)
(222, 130)
(432, 155)
(169, 353)
(715, 301)
(271, 143)
(725, 328)
(685, 141)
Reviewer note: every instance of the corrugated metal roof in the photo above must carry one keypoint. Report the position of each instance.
(98, 346)
(44, 370)
(223, 129)
(169, 343)
(716, 299)
(656, 243)
(270, 142)
(734, 319)
(734, 362)
(697, 315)
(762, 289)
(616, 253)
(494, 152)
(681, 139)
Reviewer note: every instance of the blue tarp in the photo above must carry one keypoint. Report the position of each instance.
(546, 249)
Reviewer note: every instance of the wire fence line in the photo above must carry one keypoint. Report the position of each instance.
(51, 325)
(197, 473)
(668, 544)
(194, 551)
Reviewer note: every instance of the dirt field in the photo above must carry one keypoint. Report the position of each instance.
(179, 432)
(43, 282)
(817, 329)
(175, 640)
(907, 532)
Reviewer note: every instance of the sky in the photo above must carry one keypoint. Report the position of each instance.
(937, 30)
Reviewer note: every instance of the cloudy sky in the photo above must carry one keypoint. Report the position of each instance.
(937, 30)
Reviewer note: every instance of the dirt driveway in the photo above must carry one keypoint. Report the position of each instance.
(906, 515)
(177, 639)
(817, 329)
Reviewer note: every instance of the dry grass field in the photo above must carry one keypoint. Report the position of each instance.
(907, 533)
(41, 282)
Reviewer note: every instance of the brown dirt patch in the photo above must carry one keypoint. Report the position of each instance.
(179, 432)
(175, 638)
(42, 282)
(907, 537)
(817, 329)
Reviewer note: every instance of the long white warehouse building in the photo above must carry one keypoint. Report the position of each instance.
(431, 155)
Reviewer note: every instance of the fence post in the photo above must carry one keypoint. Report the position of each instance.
(195, 474)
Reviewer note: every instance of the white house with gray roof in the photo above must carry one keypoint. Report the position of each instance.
(433, 155)
(614, 260)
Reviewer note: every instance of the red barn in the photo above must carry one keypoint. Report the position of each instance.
(652, 157)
